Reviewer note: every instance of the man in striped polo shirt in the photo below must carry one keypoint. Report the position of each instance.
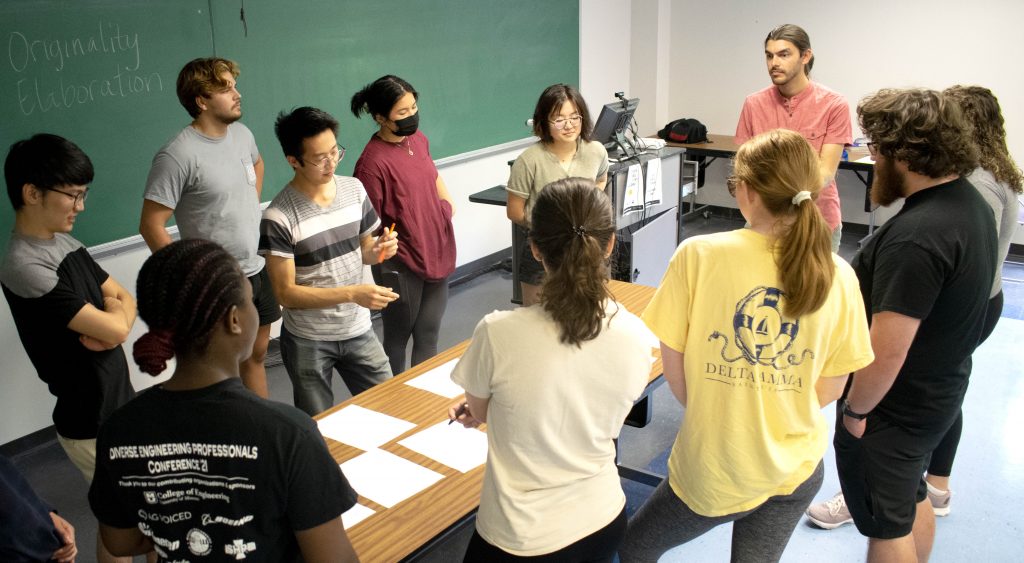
(317, 235)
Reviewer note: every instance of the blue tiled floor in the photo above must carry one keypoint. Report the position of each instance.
(987, 481)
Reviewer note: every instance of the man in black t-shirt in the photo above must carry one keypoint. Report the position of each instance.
(925, 276)
(71, 315)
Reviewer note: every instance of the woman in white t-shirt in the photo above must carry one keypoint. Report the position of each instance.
(554, 382)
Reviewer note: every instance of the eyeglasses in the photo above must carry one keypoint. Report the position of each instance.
(79, 198)
(731, 182)
(561, 122)
(872, 148)
(331, 159)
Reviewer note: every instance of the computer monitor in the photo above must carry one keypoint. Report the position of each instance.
(612, 124)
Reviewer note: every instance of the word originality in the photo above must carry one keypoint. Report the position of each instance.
(49, 73)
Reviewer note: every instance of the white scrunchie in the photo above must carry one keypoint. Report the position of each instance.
(801, 196)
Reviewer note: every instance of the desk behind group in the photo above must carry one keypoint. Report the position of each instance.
(724, 146)
(411, 527)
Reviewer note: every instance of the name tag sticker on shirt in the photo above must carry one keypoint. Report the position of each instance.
(250, 171)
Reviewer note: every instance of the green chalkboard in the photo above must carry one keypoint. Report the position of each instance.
(102, 73)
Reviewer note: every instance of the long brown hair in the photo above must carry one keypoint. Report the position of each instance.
(778, 165)
(571, 227)
(981, 109)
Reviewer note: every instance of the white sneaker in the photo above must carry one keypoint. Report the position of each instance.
(939, 499)
(830, 514)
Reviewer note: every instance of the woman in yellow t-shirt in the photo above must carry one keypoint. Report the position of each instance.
(759, 328)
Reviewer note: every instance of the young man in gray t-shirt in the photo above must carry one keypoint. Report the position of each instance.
(71, 315)
(209, 177)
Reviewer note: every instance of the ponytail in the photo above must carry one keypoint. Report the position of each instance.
(378, 97)
(782, 168)
(184, 289)
(804, 259)
(359, 102)
(572, 227)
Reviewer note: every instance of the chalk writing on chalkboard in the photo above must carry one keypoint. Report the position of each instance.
(56, 72)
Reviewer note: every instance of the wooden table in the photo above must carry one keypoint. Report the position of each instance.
(413, 526)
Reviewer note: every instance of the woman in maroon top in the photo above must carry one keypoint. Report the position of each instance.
(406, 190)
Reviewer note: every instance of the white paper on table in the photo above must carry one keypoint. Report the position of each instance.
(653, 142)
(355, 515)
(387, 479)
(631, 197)
(653, 189)
(453, 445)
(362, 428)
(866, 159)
(438, 381)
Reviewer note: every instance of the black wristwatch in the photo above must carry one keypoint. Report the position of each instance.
(847, 411)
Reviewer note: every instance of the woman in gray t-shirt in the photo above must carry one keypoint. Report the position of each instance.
(999, 181)
(562, 121)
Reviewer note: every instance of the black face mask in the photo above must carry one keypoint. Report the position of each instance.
(408, 125)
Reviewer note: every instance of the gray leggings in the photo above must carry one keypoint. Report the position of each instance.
(758, 535)
(417, 313)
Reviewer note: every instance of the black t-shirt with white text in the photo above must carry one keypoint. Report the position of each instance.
(216, 474)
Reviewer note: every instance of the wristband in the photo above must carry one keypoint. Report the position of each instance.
(847, 411)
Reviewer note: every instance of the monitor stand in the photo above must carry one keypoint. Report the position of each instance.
(625, 146)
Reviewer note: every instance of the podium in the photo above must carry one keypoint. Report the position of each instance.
(646, 237)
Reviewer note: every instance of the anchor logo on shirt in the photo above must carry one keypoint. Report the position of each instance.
(761, 333)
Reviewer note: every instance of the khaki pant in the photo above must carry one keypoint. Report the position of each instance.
(82, 453)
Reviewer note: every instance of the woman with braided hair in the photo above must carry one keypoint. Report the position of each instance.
(554, 381)
(199, 465)
(759, 328)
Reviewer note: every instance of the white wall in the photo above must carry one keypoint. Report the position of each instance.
(604, 51)
(624, 47)
(480, 230)
(649, 64)
(859, 48)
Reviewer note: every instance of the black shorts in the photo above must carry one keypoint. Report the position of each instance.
(530, 270)
(599, 546)
(263, 297)
(882, 473)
